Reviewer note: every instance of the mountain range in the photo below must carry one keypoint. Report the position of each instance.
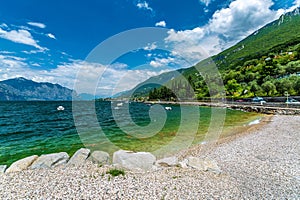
(21, 89)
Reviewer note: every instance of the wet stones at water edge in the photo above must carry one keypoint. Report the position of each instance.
(22, 164)
(50, 160)
(129, 160)
(79, 157)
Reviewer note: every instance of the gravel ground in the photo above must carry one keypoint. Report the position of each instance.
(264, 164)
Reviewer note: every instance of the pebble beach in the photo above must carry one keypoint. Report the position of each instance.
(263, 163)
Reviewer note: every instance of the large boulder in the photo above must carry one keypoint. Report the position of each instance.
(99, 157)
(203, 164)
(134, 161)
(50, 160)
(79, 157)
(168, 162)
(2, 168)
(22, 164)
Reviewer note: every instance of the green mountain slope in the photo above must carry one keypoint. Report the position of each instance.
(266, 55)
(273, 37)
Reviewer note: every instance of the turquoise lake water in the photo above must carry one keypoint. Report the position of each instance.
(28, 128)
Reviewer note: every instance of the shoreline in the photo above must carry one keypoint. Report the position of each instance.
(243, 107)
(238, 133)
(262, 162)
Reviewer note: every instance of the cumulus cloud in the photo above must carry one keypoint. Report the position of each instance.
(50, 35)
(226, 27)
(20, 36)
(10, 66)
(161, 62)
(37, 24)
(144, 5)
(242, 17)
(161, 24)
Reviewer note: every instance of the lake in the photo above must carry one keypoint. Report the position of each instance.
(29, 128)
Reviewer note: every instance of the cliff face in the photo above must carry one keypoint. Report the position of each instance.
(21, 89)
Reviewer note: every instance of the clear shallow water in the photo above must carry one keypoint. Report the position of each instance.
(28, 128)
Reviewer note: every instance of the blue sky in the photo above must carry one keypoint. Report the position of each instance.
(51, 40)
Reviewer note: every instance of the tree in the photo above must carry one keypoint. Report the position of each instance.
(255, 88)
(232, 87)
(284, 85)
(297, 86)
(269, 88)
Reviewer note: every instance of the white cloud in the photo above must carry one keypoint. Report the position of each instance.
(226, 27)
(161, 62)
(36, 51)
(188, 35)
(150, 47)
(296, 4)
(206, 2)
(241, 18)
(144, 5)
(50, 35)
(161, 23)
(20, 36)
(3, 25)
(35, 64)
(37, 24)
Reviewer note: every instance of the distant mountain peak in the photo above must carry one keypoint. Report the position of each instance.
(21, 79)
(288, 16)
(20, 88)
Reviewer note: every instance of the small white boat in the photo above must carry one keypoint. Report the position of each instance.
(120, 104)
(60, 108)
(168, 108)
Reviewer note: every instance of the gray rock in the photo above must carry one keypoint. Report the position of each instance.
(22, 164)
(203, 164)
(2, 168)
(183, 164)
(168, 162)
(79, 157)
(134, 161)
(99, 157)
(50, 160)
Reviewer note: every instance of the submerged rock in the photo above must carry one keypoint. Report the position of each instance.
(168, 162)
(99, 157)
(134, 161)
(50, 160)
(22, 164)
(203, 164)
(2, 168)
(79, 157)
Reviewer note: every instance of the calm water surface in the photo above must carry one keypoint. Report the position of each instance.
(28, 128)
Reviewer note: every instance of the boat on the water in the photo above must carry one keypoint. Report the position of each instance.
(168, 108)
(120, 104)
(60, 108)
